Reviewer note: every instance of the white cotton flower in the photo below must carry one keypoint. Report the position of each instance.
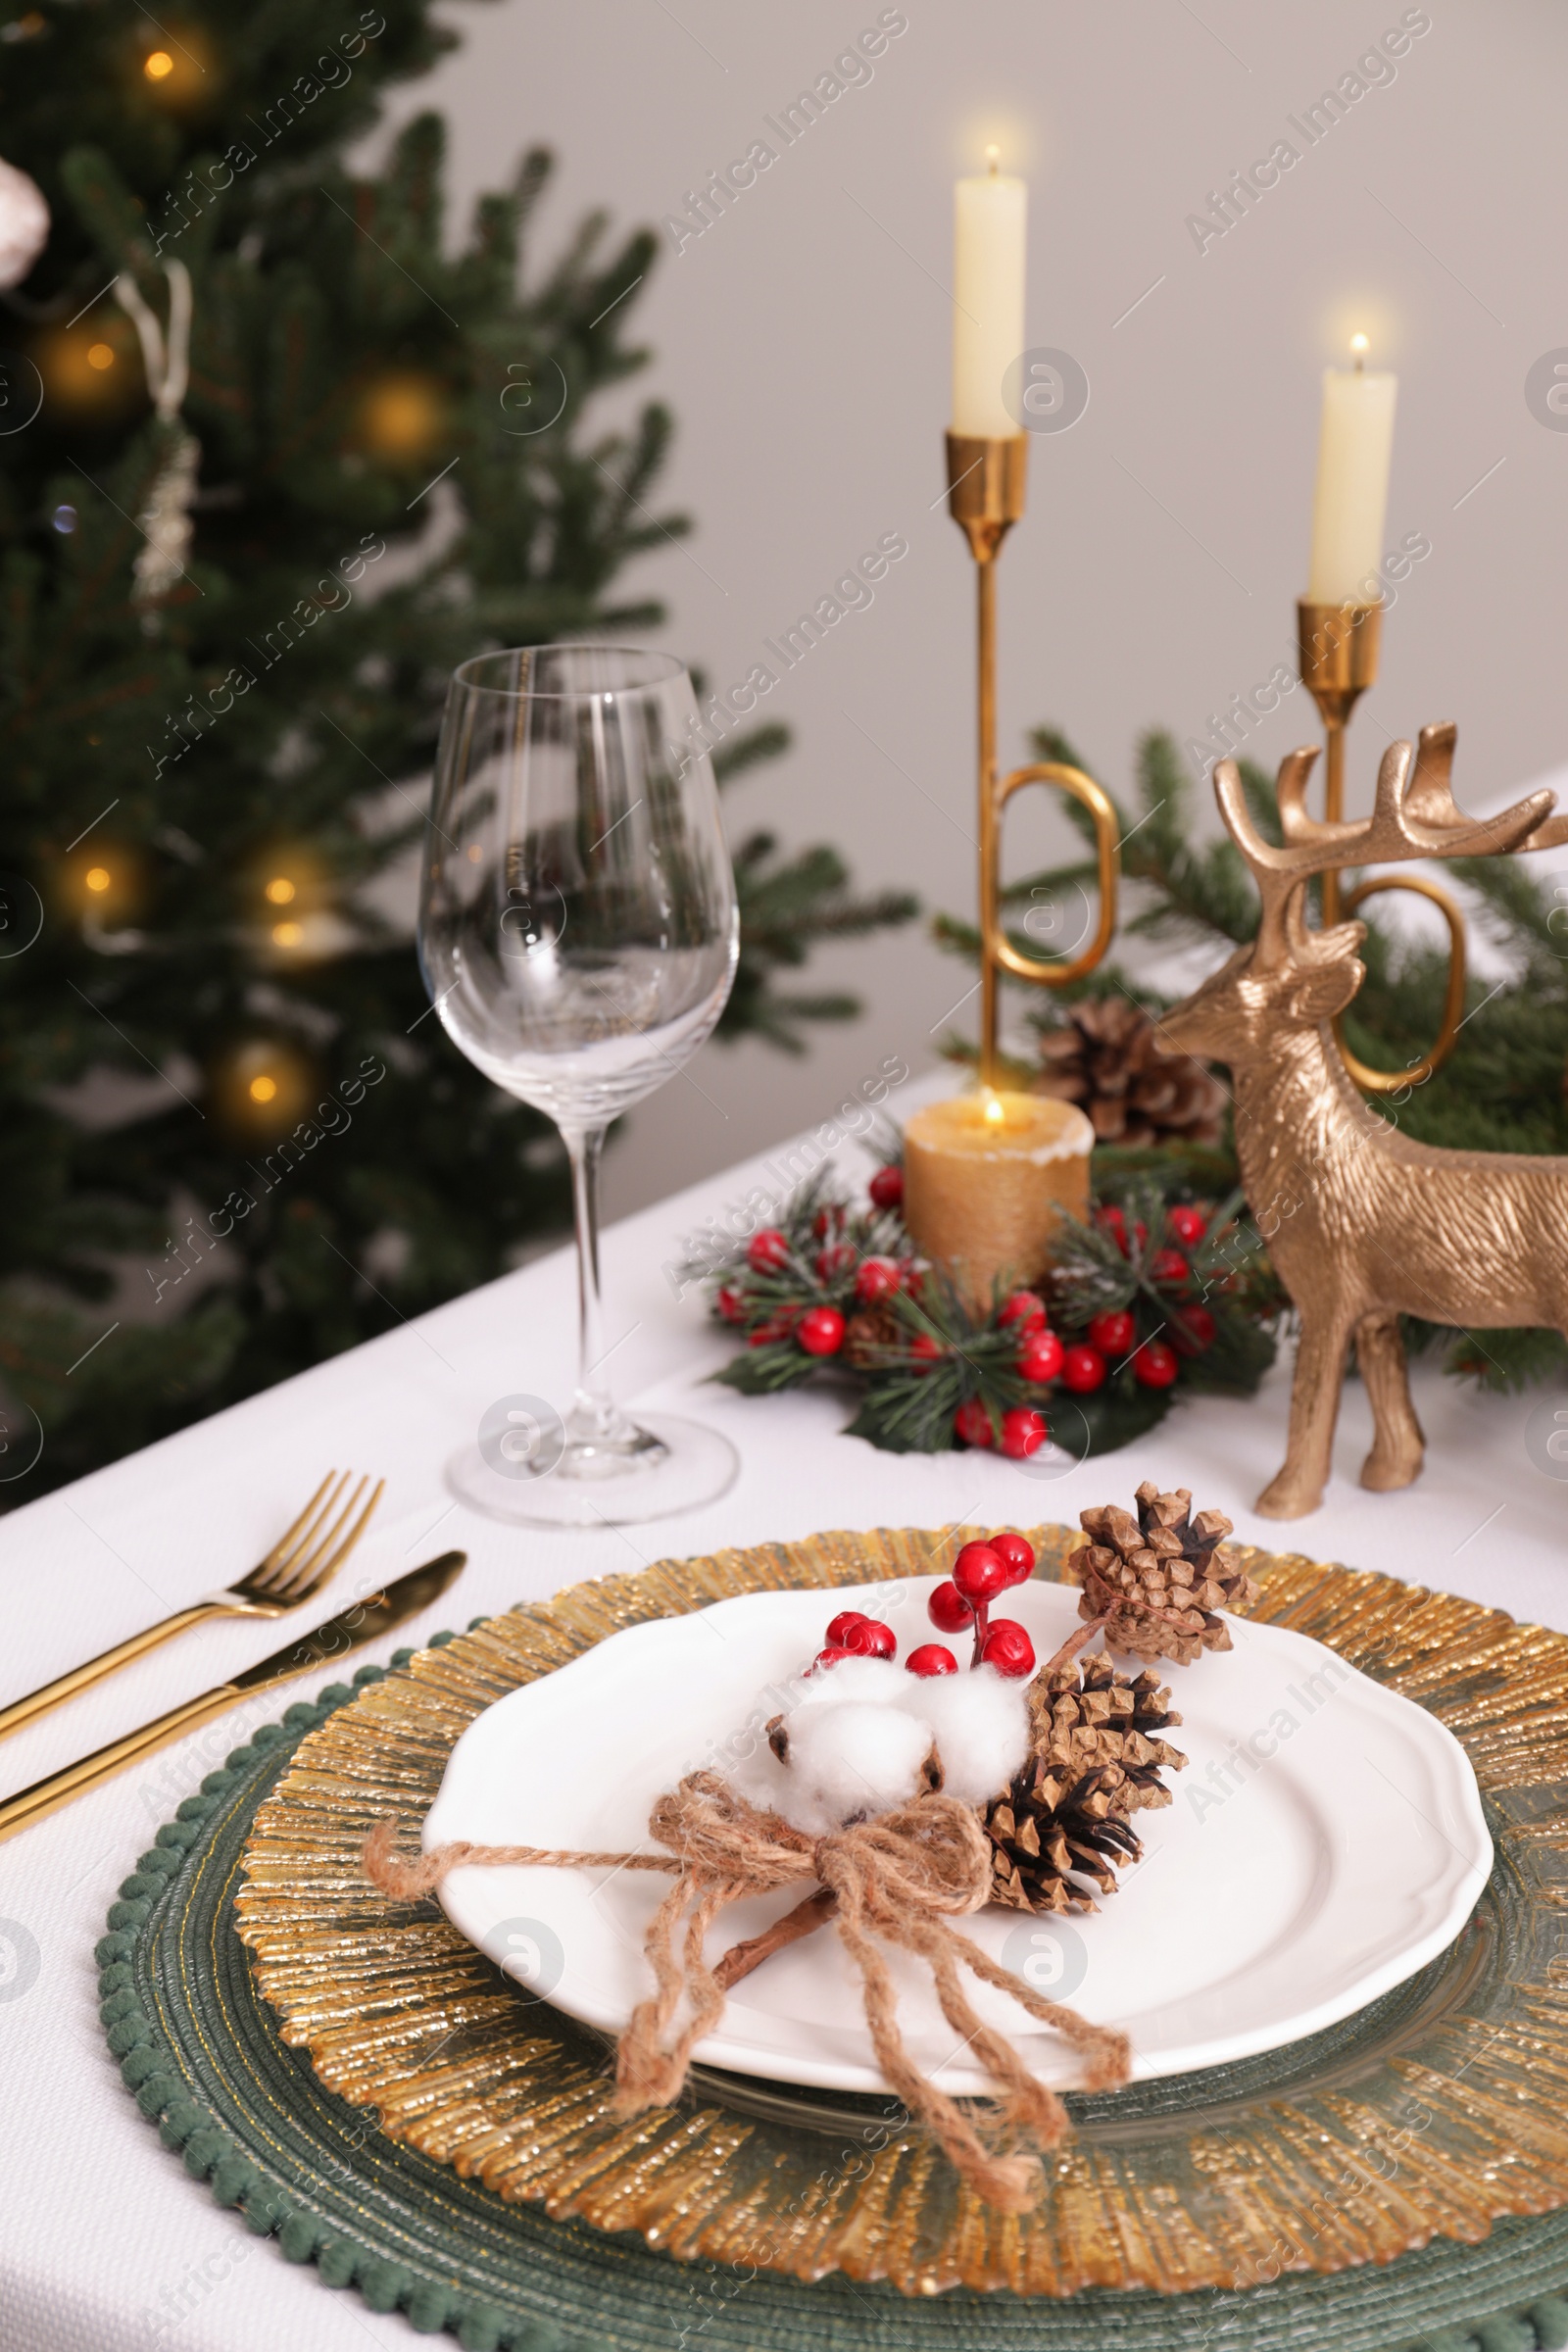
(979, 1723)
(853, 1740)
(847, 1761)
(869, 1682)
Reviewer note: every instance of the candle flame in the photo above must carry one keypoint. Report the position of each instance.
(993, 159)
(1359, 346)
(995, 1115)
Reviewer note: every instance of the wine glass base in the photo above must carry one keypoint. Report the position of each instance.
(693, 1466)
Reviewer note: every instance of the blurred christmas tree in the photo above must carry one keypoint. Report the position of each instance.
(275, 460)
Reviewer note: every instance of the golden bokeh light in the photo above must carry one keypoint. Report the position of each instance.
(287, 935)
(259, 1087)
(402, 416)
(281, 890)
(104, 884)
(90, 371)
(183, 73)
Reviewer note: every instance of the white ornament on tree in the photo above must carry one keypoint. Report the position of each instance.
(165, 520)
(23, 225)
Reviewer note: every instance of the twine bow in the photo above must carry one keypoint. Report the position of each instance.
(900, 1878)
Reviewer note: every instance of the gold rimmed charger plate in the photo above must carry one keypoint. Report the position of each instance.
(1432, 2114)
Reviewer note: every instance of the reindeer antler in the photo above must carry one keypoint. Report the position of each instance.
(1414, 815)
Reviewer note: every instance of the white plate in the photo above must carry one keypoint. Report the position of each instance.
(1274, 1896)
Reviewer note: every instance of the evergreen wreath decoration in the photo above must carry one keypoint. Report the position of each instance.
(1161, 1295)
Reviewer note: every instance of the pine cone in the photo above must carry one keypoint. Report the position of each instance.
(1158, 1579)
(868, 1331)
(1094, 1760)
(1106, 1057)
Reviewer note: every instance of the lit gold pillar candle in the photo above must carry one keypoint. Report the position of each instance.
(986, 1177)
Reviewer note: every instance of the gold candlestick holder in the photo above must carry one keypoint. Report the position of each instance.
(1339, 646)
(986, 481)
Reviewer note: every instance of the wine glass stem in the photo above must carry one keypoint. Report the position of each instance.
(592, 1415)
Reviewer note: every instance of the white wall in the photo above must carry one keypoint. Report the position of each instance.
(803, 343)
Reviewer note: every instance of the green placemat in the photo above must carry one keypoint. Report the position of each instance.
(201, 2051)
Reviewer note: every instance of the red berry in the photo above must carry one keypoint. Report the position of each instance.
(887, 1188)
(1018, 1552)
(777, 1327)
(980, 1573)
(1111, 1220)
(831, 1657)
(931, 1658)
(1169, 1266)
(1023, 1432)
(1188, 1226)
(1112, 1333)
(972, 1423)
(1027, 1309)
(1193, 1330)
(948, 1610)
(1040, 1356)
(731, 1305)
(869, 1639)
(878, 1278)
(842, 1624)
(925, 1351)
(1154, 1364)
(1008, 1649)
(1083, 1369)
(768, 1250)
(836, 1259)
(1139, 1233)
(828, 1220)
(820, 1331)
(911, 1276)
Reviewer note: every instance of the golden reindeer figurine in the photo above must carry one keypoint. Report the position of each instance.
(1364, 1224)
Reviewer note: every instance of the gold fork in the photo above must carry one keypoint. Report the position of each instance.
(296, 1568)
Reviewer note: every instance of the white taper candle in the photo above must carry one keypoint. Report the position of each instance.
(1356, 444)
(988, 277)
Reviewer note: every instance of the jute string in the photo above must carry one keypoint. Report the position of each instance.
(901, 1879)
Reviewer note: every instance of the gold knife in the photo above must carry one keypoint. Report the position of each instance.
(363, 1621)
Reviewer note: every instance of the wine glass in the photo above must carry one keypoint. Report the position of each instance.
(578, 934)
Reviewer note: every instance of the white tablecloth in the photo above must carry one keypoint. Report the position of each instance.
(105, 2243)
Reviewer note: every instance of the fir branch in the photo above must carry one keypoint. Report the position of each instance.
(742, 752)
